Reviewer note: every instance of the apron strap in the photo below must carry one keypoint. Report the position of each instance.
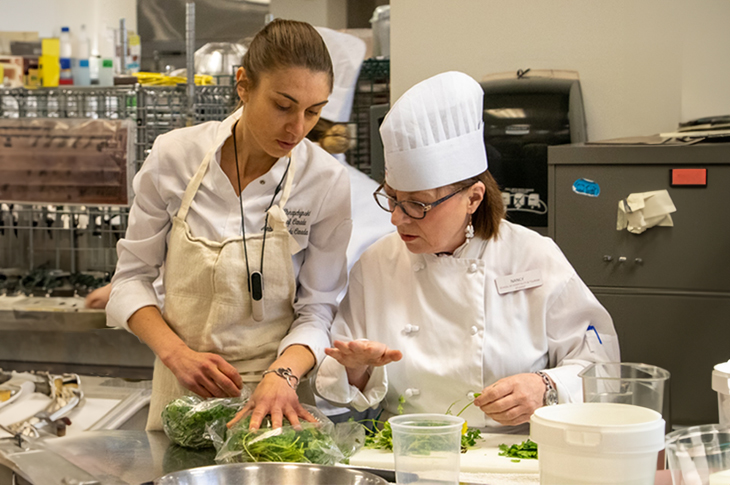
(197, 179)
(193, 186)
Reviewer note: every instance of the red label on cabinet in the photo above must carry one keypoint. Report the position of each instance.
(696, 177)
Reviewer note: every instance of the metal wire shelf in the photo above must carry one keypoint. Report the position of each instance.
(373, 88)
(83, 239)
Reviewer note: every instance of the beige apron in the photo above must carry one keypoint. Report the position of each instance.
(207, 302)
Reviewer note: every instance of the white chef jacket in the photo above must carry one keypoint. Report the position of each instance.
(458, 334)
(318, 213)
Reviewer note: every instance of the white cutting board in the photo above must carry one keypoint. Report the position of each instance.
(484, 458)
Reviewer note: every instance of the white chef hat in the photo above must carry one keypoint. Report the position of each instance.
(433, 134)
(347, 53)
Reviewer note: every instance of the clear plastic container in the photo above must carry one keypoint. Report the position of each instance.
(721, 384)
(81, 72)
(427, 448)
(625, 382)
(597, 443)
(699, 455)
(106, 73)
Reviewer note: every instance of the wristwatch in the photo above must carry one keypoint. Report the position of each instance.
(551, 394)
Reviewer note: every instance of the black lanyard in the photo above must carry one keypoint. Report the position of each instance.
(256, 279)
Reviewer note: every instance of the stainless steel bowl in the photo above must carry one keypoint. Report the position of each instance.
(271, 473)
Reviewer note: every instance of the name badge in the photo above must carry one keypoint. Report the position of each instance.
(519, 281)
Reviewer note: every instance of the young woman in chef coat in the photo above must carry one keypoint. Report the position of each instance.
(251, 222)
(459, 301)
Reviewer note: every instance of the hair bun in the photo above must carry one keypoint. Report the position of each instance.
(336, 139)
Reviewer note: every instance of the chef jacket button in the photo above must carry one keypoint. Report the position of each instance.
(472, 268)
(417, 267)
(474, 330)
(412, 392)
(411, 328)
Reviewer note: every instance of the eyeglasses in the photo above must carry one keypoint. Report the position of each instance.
(411, 208)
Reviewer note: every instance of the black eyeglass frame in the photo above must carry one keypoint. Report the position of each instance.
(426, 207)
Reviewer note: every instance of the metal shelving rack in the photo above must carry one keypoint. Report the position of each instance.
(373, 88)
(78, 239)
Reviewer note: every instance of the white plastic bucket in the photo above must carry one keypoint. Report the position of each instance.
(597, 443)
(721, 384)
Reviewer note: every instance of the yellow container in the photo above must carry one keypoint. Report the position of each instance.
(49, 64)
(51, 47)
(50, 71)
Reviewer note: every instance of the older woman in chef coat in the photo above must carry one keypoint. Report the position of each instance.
(251, 222)
(459, 301)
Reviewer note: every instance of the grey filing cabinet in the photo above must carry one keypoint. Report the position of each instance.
(670, 296)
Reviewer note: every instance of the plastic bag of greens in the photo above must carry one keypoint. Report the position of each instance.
(188, 419)
(313, 443)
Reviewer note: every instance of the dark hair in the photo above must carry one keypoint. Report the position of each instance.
(491, 211)
(333, 137)
(283, 44)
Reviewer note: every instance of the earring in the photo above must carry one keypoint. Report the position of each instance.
(469, 230)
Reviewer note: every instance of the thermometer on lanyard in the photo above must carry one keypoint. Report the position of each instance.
(257, 296)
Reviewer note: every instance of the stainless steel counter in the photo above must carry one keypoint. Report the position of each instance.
(59, 335)
(104, 457)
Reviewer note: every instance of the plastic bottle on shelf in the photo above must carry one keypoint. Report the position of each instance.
(106, 58)
(134, 53)
(82, 74)
(94, 66)
(81, 70)
(106, 72)
(66, 75)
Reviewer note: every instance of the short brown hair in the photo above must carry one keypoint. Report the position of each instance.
(286, 43)
(489, 214)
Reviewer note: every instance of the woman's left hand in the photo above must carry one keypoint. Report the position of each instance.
(273, 396)
(512, 400)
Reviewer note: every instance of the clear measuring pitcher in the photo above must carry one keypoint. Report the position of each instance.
(625, 382)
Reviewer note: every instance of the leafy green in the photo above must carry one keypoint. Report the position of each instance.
(186, 419)
(381, 436)
(310, 444)
(527, 450)
(469, 439)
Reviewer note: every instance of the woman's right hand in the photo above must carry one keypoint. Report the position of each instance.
(362, 353)
(359, 355)
(205, 374)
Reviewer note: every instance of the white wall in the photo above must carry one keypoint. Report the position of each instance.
(644, 65)
(48, 16)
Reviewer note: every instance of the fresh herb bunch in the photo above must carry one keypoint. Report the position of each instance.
(527, 450)
(186, 419)
(286, 444)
